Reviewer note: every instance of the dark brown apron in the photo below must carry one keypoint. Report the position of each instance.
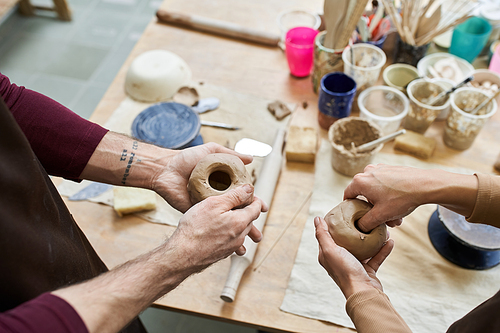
(485, 318)
(41, 246)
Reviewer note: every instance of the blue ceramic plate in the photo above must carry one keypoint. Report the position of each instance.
(170, 125)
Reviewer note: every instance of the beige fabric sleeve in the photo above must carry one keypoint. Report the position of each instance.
(487, 207)
(371, 311)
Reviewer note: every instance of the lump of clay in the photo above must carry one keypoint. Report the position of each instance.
(342, 226)
(215, 174)
(279, 109)
(186, 95)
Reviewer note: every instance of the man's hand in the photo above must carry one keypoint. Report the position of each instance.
(121, 160)
(211, 230)
(348, 273)
(214, 228)
(171, 182)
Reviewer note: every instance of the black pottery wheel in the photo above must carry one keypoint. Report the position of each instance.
(468, 245)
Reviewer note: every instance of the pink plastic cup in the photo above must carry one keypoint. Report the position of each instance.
(495, 61)
(299, 46)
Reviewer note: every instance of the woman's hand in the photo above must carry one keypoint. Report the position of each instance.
(395, 192)
(349, 273)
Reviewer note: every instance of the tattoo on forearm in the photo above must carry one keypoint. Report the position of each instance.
(130, 156)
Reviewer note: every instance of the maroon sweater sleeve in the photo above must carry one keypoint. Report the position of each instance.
(62, 140)
(45, 314)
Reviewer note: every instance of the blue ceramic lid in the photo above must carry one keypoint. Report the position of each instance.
(170, 125)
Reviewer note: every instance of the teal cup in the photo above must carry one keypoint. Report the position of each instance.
(469, 38)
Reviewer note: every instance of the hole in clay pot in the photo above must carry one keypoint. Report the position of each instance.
(359, 229)
(219, 180)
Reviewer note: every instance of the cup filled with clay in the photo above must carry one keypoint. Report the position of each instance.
(424, 108)
(363, 62)
(216, 174)
(299, 46)
(342, 226)
(385, 106)
(326, 60)
(335, 98)
(486, 80)
(345, 136)
(470, 110)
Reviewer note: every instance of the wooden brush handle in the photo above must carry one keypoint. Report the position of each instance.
(222, 28)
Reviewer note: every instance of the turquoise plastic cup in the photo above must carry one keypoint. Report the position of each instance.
(469, 38)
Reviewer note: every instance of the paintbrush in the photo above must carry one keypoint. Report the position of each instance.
(446, 93)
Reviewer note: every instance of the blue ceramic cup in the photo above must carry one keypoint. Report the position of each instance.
(469, 38)
(335, 98)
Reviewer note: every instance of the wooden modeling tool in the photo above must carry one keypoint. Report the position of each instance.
(218, 27)
(264, 189)
(334, 16)
(341, 18)
(356, 9)
(419, 22)
(428, 24)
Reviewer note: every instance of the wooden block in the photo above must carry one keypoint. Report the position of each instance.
(415, 144)
(131, 199)
(301, 144)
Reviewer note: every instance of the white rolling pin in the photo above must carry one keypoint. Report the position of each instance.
(264, 189)
(222, 28)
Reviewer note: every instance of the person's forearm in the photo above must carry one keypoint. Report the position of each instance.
(372, 312)
(124, 292)
(121, 160)
(456, 192)
(207, 233)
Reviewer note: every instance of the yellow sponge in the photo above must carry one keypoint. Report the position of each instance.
(131, 199)
(301, 144)
(415, 144)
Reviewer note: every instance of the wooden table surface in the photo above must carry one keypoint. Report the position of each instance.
(261, 71)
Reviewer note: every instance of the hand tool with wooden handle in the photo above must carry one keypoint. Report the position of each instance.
(222, 28)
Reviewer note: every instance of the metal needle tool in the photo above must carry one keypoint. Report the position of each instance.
(219, 125)
(485, 102)
(446, 93)
(374, 143)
